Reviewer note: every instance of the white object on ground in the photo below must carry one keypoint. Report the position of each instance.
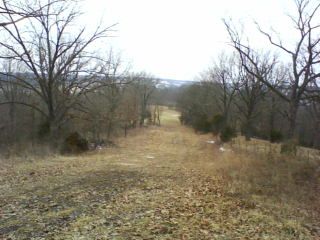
(222, 149)
(211, 142)
(150, 157)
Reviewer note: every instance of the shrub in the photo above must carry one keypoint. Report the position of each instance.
(217, 123)
(227, 134)
(74, 144)
(201, 123)
(275, 136)
(289, 147)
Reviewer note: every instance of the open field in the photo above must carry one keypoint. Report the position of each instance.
(161, 183)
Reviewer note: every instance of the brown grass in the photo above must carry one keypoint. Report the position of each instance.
(161, 183)
(267, 148)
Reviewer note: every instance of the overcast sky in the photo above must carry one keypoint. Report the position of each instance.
(177, 39)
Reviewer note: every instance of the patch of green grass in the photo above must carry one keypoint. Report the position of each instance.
(170, 118)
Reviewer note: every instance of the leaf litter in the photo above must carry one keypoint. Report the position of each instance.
(121, 194)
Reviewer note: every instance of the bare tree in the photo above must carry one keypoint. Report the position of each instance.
(225, 76)
(10, 92)
(304, 56)
(104, 103)
(19, 11)
(59, 69)
(129, 109)
(251, 92)
(144, 86)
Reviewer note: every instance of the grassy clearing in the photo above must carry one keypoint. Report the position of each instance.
(161, 183)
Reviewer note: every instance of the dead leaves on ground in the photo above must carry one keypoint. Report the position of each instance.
(139, 197)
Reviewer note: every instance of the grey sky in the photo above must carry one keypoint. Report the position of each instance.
(179, 38)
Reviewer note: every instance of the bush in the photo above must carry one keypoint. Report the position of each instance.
(217, 123)
(201, 123)
(275, 136)
(227, 134)
(289, 147)
(74, 144)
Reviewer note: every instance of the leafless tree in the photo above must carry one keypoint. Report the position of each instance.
(225, 76)
(102, 105)
(250, 93)
(144, 87)
(129, 109)
(59, 69)
(13, 12)
(10, 92)
(304, 56)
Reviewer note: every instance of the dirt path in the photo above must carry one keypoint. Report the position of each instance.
(159, 183)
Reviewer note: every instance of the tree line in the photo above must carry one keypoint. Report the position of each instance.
(257, 92)
(53, 80)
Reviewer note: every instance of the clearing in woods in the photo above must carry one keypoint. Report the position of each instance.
(158, 183)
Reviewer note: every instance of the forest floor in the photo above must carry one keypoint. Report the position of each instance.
(161, 183)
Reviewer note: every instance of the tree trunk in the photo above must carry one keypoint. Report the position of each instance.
(125, 130)
(290, 146)
(248, 124)
(158, 117)
(53, 132)
(292, 116)
(272, 116)
(248, 131)
(12, 115)
(142, 116)
(109, 129)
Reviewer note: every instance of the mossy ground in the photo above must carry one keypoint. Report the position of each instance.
(160, 183)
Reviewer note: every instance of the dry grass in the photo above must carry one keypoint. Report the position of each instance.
(265, 147)
(160, 183)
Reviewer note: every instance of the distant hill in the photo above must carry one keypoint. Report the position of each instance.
(165, 83)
